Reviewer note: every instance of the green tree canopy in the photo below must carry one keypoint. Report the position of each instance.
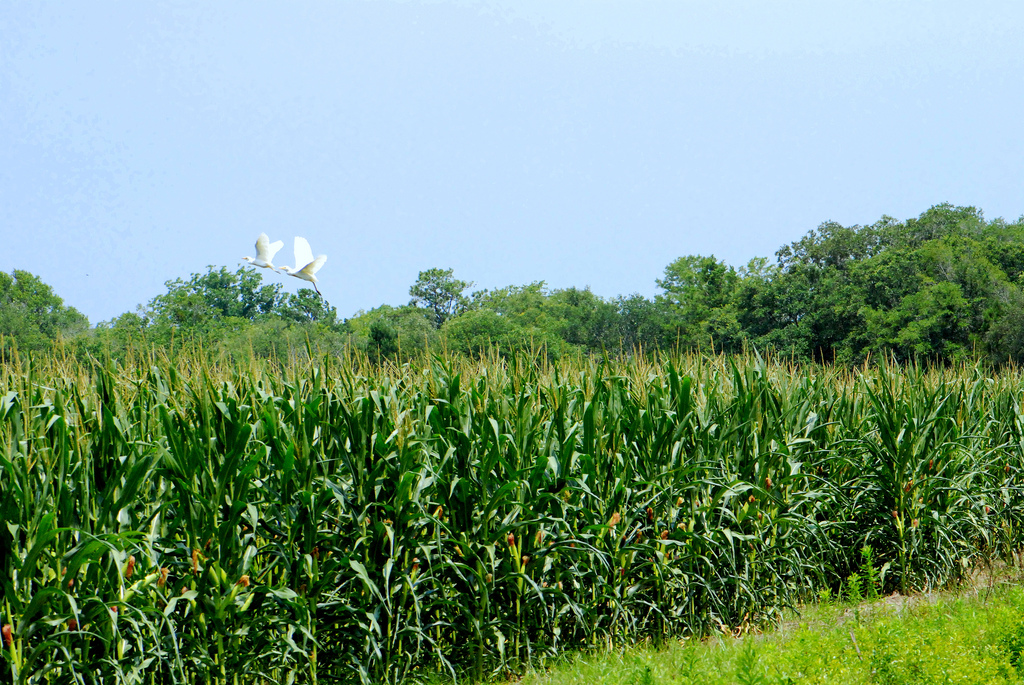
(232, 312)
(215, 295)
(31, 315)
(699, 298)
(439, 291)
(936, 287)
(306, 307)
(393, 332)
(946, 285)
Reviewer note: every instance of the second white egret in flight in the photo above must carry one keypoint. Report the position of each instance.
(265, 251)
(305, 266)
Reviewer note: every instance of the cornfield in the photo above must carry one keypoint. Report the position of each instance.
(176, 521)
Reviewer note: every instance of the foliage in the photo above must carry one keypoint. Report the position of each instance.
(478, 332)
(700, 293)
(1012, 643)
(641, 324)
(942, 287)
(440, 292)
(939, 640)
(32, 316)
(508, 320)
(935, 287)
(383, 341)
(216, 295)
(586, 320)
(306, 306)
(228, 314)
(326, 519)
(395, 333)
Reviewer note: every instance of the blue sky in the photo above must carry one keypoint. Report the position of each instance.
(580, 142)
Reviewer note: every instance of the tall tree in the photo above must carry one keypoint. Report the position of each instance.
(410, 329)
(586, 319)
(218, 294)
(31, 315)
(307, 307)
(641, 323)
(699, 296)
(440, 292)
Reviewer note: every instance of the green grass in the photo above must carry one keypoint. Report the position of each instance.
(939, 639)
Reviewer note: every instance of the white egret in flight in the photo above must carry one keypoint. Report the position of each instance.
(305, 266)
(265, 251)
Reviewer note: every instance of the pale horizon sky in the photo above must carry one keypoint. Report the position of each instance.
(579, 142)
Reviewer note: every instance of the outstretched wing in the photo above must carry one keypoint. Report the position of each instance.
(273, 248)
(303, 253)
(315, 265)
(262, 247)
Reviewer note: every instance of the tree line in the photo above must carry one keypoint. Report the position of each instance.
(946, 286)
